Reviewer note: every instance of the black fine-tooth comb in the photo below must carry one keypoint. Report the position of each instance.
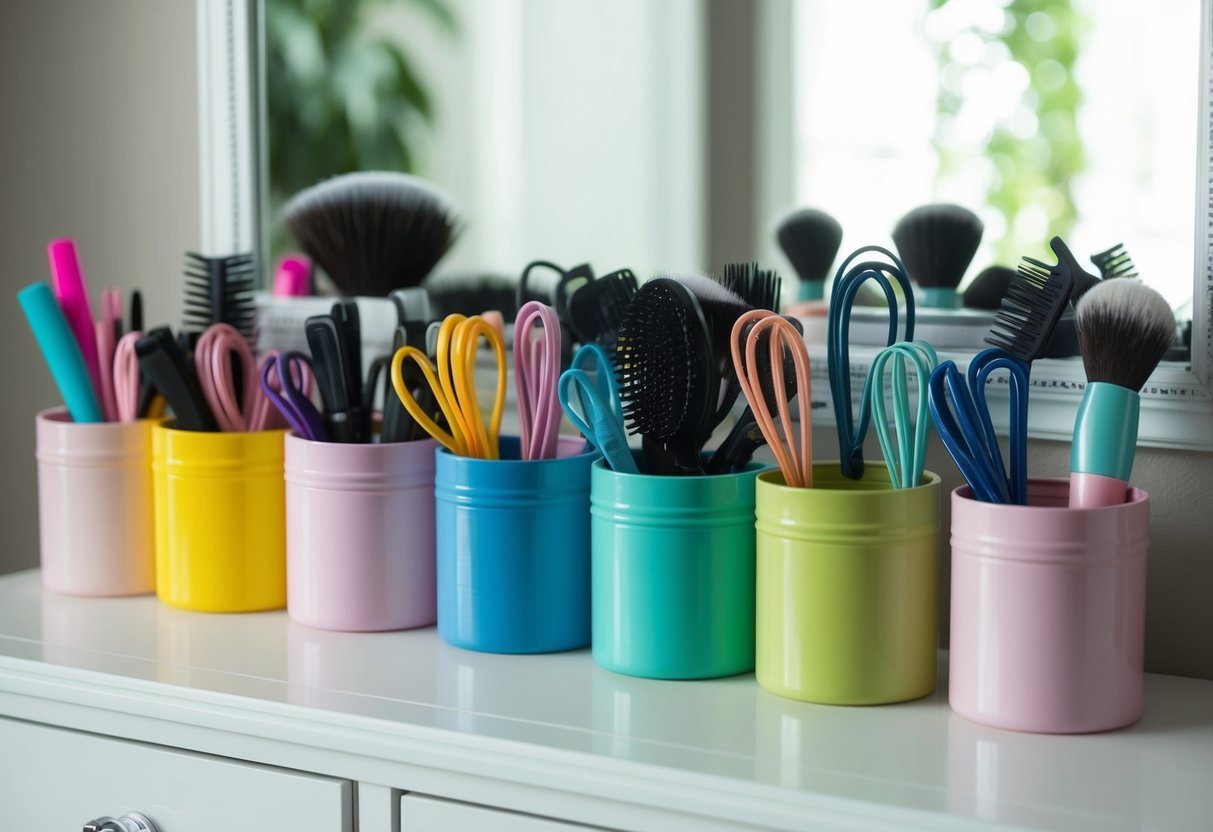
(219, 290)
(1034, 304)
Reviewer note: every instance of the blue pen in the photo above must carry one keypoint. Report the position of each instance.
(61, 352)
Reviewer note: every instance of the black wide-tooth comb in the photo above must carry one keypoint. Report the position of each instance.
(1034, 304)
(220, 290)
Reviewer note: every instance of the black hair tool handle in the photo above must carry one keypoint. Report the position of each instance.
(396, 420)
(738, 447)
(165, 366)
(324, 342)
(349, 330)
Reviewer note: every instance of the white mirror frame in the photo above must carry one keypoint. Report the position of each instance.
(1177, 403)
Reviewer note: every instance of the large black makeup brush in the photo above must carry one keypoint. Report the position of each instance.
(987, 290)
(373, 232)
(810, 239)
(936, 244)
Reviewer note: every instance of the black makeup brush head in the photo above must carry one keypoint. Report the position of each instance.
(936, 243)
(810, 239)
(1124, 329)
(987, 290)
(374, 231)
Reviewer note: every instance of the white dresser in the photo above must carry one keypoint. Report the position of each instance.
(252, 722)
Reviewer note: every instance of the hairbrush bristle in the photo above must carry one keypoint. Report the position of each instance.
(936, 243)
(373, 232)
(1124, 329)
(666, 378)
(1034, 304)
(810, 239)
(757, 287)
(721, 309)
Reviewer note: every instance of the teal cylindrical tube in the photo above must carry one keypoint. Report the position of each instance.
(939, 297)
(1105, 431)
(672, 573)
(61, 352)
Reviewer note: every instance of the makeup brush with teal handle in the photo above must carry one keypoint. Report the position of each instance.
(1124, 329)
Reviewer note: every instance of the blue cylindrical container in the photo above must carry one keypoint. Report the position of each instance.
(513, 540)
(673, 573)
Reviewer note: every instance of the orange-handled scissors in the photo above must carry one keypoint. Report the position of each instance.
(454, 386)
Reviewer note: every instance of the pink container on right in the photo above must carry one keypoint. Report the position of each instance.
(360, 534)
(1048, 611)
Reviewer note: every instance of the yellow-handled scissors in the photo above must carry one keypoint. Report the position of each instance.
(454, 386)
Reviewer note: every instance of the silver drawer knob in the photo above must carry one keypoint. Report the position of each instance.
(130, 822)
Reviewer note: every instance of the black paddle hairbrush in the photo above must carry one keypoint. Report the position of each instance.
(810, 239)
(374, 231)
(936, 244)
(219, 290)
(668, 378)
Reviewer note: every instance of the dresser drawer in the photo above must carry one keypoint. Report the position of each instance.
(51, 778)
(429, 814)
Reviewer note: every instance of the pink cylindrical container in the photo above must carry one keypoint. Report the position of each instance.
(95, 516)
(360, 534)
(1048, 611)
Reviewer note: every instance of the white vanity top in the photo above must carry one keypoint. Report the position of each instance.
(723, 749)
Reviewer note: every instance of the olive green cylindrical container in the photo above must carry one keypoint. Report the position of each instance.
(672, 573)
(846, 587)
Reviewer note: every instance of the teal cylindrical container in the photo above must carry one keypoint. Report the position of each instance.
(513, 543)
(673, 573)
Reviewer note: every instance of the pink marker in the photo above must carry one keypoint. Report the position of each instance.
(294, 277)
(67, 281)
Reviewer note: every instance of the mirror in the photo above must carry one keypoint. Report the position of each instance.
(675, 135)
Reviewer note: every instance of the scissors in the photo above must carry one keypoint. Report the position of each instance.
(794, 460)
(536, 371)
(851, 431)
(907, 458)
(223, 358)
(962, 416)
(589, 396)
(285, 382)
(454, 386)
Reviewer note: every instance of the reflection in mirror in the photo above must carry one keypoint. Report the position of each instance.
(1026, 112)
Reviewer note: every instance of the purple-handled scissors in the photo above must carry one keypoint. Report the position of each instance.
(536, 371)
(285, 379)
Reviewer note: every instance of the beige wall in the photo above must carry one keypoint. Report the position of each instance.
(99, 142)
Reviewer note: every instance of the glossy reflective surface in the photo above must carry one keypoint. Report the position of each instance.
(917, 755)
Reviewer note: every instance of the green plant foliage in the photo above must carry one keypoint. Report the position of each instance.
(1032, 170)
(340, 97)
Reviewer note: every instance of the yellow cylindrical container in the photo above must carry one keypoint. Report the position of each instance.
(846, 587)
(220, 519)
